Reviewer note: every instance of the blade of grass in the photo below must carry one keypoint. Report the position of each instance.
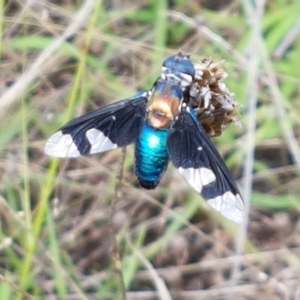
(255, 13)
(160, 31)
(10, 95)
(76, 93)
(2, 5)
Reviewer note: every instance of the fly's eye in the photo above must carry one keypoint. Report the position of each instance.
(179, 68)
(179, 63)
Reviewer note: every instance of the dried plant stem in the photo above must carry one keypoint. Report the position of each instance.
(115, 249)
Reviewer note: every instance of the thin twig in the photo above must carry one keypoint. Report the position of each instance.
(115, 249)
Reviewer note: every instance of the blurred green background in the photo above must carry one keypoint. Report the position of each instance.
(60, 59)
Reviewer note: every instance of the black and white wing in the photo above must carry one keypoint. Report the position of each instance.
(112, 126)
(195, 156)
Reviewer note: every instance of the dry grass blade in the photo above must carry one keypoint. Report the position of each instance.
(162, 290)
(39, 66)
(255, 15)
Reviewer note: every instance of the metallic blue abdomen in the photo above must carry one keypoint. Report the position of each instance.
(151, 156)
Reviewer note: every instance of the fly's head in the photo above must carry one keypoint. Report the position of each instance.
(163, 103)
(178, 69)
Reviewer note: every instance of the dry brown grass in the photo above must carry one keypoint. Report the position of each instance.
(59, 60)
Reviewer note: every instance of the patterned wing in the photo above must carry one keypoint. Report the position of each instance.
(196, 158)
(113, 126)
